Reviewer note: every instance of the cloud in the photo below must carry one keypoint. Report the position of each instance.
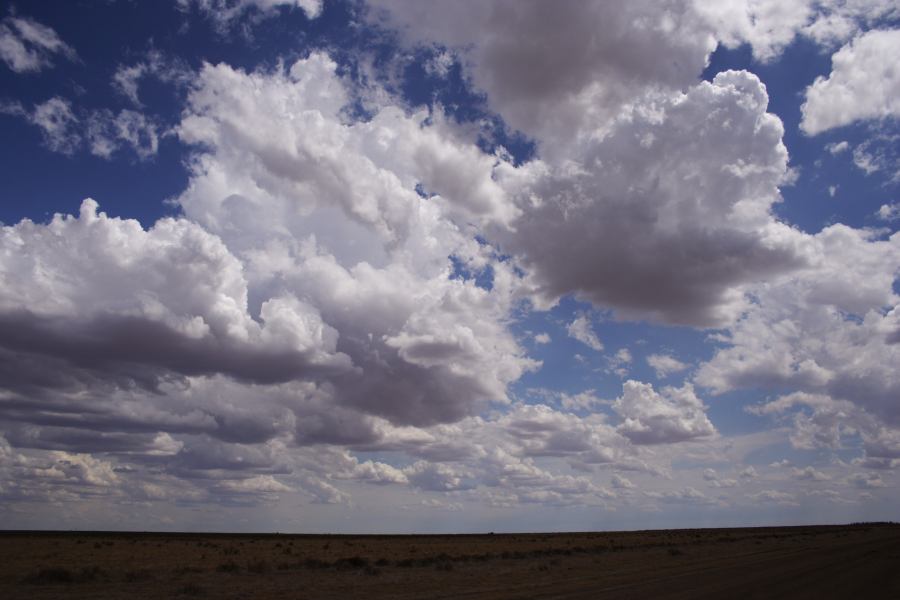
(260, 484)
(809, 474)
(79, 290)
(837, 148)
(861, 85)
(127, 78)
(678, 194)
(436, 477)
(557, 87)
(344, 228)
(622, 483)
(227, 14)
(27, 46)
(770, 26)
(339, 288)
(847, 304)
(775, 497)
(580, 329)
(673, 415)
(107, 132)
(67, 130)
(865, 480)
(767, 25)
(665, 365)
(687, 495)
(889, 212)
(58, 125)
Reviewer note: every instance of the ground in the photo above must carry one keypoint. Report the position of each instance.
(851, 561)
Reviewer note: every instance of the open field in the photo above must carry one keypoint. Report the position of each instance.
(852, 561)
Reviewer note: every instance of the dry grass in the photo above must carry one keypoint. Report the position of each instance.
(792, 562)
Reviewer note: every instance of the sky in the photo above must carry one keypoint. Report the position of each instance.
(377, 266)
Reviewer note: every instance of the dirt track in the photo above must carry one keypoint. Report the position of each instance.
(799, 562)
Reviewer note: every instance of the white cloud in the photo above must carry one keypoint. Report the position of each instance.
(809, 474)
(306, 306)
(861, 85)
(28, 46)
(672, 415)
(265, 484)
(581, 330)
(58, 125)
(866, 480)
(775, 497)
(103, 132)
(127, 78)
(228, 13)
(829, 332)
(559, 88)
(668, 216)
(622, 483)
(749, 473)
(838, 147)
(770, 26)
(767, 25)
(106, 132)
(687, 495)
(665, 365)
(889, 212)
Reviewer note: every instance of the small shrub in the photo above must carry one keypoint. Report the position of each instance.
(191, 589)
(139, 575)
(228, 567)
(353, 562)
(675, 552)
(315, 563)
(51, 575)
(90, 574)
(259, 566)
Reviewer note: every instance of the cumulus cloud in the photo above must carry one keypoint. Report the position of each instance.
(672, 415)
(889, 212)
(861, 85)
(775, 497)
(665, 365)
(28, 46)
(809, 474)
(866, 480)
(622, 483)
(829, 332)
(340, 287)
(668, 215)
(558, 87)
(769, 26)
(344, 227)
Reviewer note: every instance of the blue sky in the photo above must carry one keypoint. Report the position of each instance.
(378, 266)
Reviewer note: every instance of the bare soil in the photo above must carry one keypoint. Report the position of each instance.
(847, 561)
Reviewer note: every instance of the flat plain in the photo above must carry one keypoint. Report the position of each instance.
(843, 561)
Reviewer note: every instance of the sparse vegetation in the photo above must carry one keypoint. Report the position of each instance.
(216, 566)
